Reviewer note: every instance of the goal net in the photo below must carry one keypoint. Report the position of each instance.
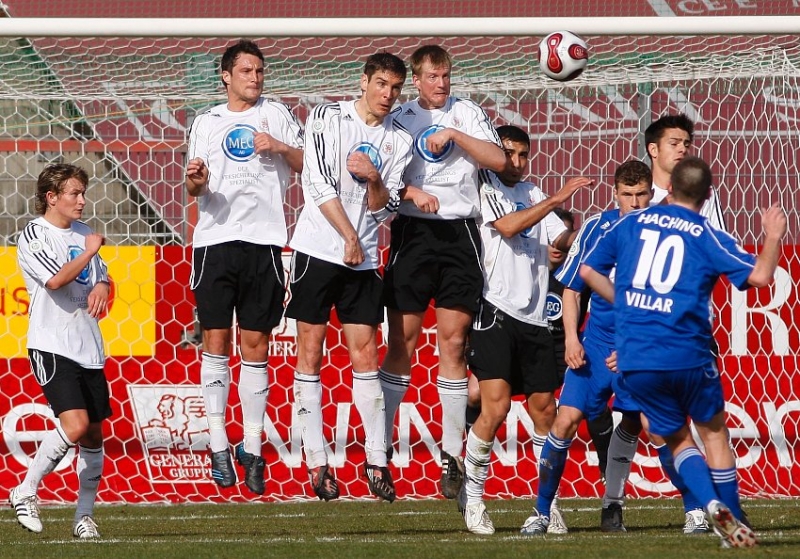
(121, 108)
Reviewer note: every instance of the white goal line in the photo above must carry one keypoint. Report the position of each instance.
(395, 27)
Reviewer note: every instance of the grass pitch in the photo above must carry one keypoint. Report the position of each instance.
(374, 530)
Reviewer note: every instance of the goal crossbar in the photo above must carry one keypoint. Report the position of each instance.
(393, 27)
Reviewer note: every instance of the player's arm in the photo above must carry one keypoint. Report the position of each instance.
(360, 165)
(574, 354)
(289, 140)
(72, 269)
(196, 173)
(487, 154)
(599, 283)
(97, 302)
(264, 144)
(426, 203)
(515, 222)
(334, 213)
(773, 221)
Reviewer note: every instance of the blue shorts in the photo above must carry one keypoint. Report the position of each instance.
(589, 388)
(669, 398)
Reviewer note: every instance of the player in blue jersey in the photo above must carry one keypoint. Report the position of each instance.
(588, 383)
(666, 261)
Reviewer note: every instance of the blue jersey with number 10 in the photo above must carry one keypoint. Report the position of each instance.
(667, 260)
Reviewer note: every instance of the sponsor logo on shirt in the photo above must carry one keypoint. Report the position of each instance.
(238, 142)
(420, 145)
(553, 306)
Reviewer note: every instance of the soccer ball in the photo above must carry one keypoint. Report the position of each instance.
(563, 56)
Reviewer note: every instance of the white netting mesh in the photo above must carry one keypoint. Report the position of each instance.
(121, 108)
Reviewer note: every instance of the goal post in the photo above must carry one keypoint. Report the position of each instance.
(117, 96)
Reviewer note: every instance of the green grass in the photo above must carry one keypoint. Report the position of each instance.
(374, 530)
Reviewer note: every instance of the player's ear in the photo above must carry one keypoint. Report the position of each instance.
(364, 82)
(226, 78)
(652, 149)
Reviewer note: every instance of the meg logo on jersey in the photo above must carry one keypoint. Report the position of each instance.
(238, 142)
(421, 145)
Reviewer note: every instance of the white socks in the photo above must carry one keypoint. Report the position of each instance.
(52, 449)
(394, 390)
(253, 390)
(90, 471)
(368, 397)
(453, 396)
(308, 409)
(476, 467)
(215, 376)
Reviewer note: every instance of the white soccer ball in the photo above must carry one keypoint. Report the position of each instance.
(563, 55)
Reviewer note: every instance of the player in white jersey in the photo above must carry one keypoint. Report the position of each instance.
(241, 154)
(510, 346)
(669, 140)
(68, 287)
(435, 246)
(355, 155)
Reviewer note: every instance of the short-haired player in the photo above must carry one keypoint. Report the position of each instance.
(355, 155)
(510, 346)
(68, 287)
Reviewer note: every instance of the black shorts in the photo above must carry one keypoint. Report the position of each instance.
(242, 276)
(502, 347)
(433, 259)
(68, 386)
(316, 286)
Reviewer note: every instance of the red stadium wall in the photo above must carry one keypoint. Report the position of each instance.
(155, 444)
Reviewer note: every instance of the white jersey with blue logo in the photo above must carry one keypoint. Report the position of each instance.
(516, 270)
(333, 132)
(451, 176)
(711, 207)
(244, 201)
(59, 322)
(668, 259)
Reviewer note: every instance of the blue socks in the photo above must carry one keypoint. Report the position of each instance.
(551, 468)
(690, 502)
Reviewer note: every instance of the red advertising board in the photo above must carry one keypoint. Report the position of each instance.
(156, 441)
